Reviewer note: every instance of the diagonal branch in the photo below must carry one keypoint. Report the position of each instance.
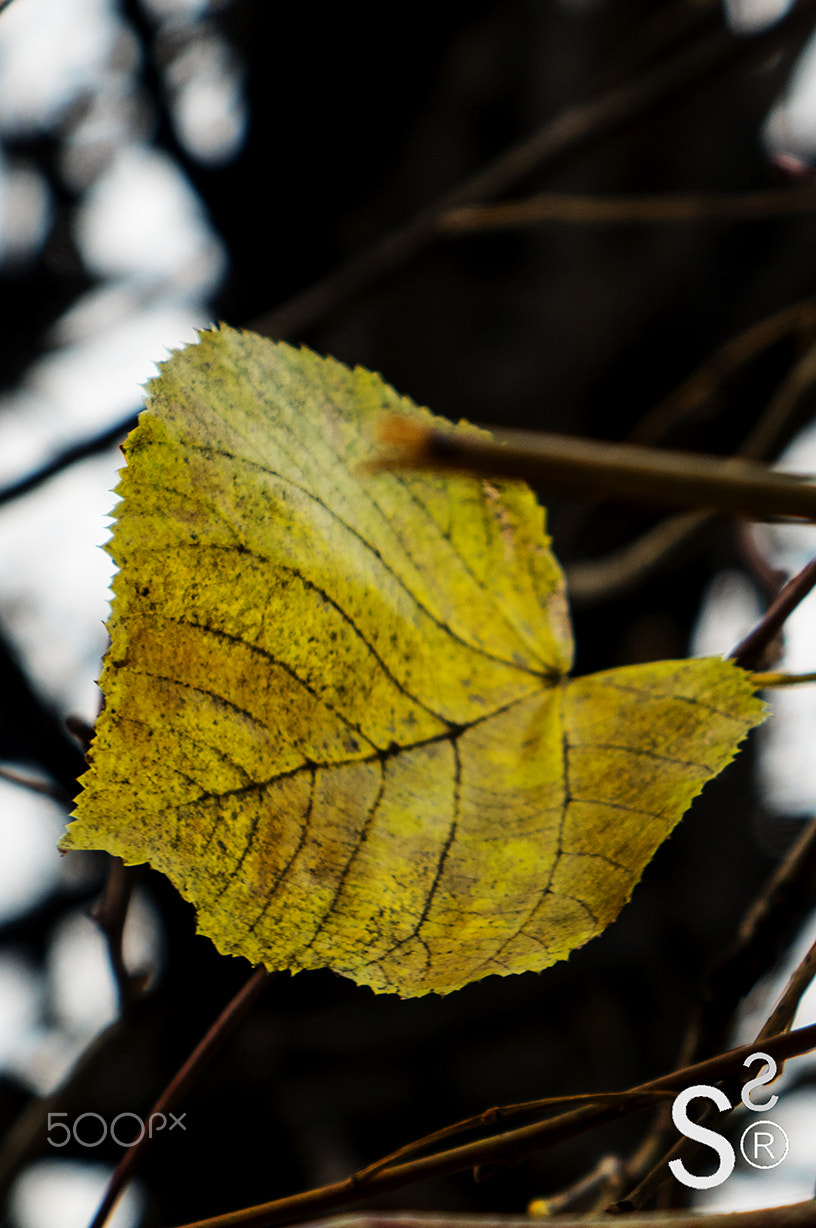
(509, 1147)
(170, 1098)
(749, 653)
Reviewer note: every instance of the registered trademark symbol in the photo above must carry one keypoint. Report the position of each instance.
(764, 1144)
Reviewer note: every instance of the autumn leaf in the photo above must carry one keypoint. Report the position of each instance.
(336, 707)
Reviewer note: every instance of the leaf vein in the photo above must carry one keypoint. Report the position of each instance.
(306, 822)
(643, 752)
(268, 656)
(361, 840)
(649, 694)
(372, 549)
(486, 590)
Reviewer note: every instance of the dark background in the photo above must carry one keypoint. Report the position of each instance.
(358, 118)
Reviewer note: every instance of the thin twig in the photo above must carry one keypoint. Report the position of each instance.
(750, 651)
(793, 394)
(35, 784)
(695, 394)
(110, 915)
(492, 1117)
(509, 1147)
(573, 129)
(80, 730)
(795, 1215)
(602, 1178)
(781, 1017)
(564, 208)
(204, 1051)
(769, 579)
(86, 448)
(617, 572)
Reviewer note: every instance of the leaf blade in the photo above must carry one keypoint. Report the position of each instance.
(336, 712)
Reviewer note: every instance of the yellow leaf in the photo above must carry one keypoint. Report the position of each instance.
(336, 706)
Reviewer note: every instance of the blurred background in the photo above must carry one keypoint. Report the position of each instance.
(168, 163)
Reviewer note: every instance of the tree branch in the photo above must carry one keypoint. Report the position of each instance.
(509, 1147)
(568, 464)
(204, 1051)
(750, 652)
